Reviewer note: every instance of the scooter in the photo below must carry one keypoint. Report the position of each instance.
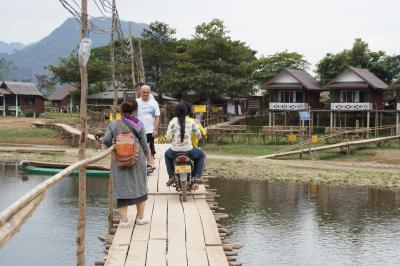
(184, 168)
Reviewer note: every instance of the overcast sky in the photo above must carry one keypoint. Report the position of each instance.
(310, 27)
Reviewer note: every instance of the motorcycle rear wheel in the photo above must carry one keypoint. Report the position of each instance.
(184, 190)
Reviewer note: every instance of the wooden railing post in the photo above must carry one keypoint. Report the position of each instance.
(80, 239)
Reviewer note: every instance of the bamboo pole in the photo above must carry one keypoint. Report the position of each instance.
(114, 110)
(14, 224)
(132, 60)
(80, 238)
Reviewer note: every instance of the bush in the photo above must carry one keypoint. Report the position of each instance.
(28, 113)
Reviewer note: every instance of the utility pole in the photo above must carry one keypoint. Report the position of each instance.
(141, 66)
(114, 113)
(115, 102)
(132, 60)
(80, 240)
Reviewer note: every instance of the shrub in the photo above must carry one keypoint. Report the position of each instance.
(29, 113)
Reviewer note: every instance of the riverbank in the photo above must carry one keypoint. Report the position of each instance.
(339, 173)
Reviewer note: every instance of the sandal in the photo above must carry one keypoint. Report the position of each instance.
(149, 169)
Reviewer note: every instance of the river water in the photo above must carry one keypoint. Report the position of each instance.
(309, 224)
(278, 223)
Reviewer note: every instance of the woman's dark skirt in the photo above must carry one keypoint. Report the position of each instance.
(127, 202)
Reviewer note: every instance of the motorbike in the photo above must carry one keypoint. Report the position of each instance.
(184, 168)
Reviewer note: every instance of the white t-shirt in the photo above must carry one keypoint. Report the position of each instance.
(147, 111)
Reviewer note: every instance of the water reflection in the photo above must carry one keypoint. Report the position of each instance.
(48, 238)
(310, 224)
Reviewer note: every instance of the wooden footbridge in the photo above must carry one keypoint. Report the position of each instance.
(342, 145)
(180, 233)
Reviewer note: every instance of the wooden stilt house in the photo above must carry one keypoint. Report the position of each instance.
(353, 93)
(16, 97)
(292, 91)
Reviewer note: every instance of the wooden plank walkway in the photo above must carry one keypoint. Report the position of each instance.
(330, 147)
(180, 233)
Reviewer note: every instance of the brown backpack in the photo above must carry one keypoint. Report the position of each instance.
(126, 147)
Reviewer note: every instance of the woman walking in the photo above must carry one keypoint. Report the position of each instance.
(129, 182)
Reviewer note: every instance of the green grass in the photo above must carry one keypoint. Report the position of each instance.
(242, 150)
(70, 119)
(360, 153)
(7, 134)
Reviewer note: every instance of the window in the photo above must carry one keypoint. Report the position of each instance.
(29, 101)
(291, 97)
(364, 97)
(299, 96)
(286, 97)
(348, 96)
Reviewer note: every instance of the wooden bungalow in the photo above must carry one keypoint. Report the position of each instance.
(16, 97)
(61, 98)
(396, 87)
(355, 90)
(292, 91)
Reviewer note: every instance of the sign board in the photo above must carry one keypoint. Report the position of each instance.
(314, 139)
(305, 116)
(292, 138)
(216, 109)
(118, 116)
(200, 108)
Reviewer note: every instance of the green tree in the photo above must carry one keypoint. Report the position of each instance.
(211, 64)
(45, 84)
(158, 49)
(267, 67)
(384, 66)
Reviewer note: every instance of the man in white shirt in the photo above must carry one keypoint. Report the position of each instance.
(149, 114)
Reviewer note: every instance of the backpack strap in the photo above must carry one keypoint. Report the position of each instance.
(131, 129)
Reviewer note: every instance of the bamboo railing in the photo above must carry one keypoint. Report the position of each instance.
(12, 218)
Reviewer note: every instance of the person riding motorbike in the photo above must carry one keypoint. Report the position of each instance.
(203, 132)
(179, 132)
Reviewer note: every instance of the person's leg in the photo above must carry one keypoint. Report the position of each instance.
(140, 209)
(123, 213)
(198, 157)
(169, 162)
(150, 158)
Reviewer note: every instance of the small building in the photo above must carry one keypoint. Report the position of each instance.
(292, 91)
(355, 90)
(16, 97)
(61, 98)
(396, 87)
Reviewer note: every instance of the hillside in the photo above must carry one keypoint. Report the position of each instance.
(61, 42)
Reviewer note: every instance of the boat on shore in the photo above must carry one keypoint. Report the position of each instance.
(48, 168)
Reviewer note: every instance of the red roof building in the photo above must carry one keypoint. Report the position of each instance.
(16, 97)
(61, 97)
(356, 89)
(293, 90)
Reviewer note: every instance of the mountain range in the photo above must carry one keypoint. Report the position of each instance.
(28, 60)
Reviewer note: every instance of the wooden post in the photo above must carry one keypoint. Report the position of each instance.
(114, 110)
(132, 60)
(80, 240)
(331, 123)
(4, 105)
(16, 105)
(368, 115)
(141, 65)
(397, 123)
(269, 118)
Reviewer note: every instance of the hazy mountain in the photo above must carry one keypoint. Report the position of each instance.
(32, 59)
(8, 48)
